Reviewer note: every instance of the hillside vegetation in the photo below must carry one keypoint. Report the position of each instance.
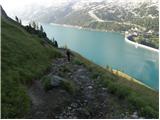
(24, 58)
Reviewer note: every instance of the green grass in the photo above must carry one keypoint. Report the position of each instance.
(24, 59)
(78, 62)
(69, 86)
(137, 96)
(46, 82)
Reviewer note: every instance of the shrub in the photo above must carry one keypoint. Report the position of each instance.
(112, 88)
(106, 83)
(69, 86)
(136, 101)
(46, 82)
(149, 112)
(64, 69)
(122, 91)
(78, 62)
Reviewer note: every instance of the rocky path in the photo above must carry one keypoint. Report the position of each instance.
(89, 101)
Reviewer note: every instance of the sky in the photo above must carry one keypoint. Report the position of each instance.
(13, 7)
(17, 5)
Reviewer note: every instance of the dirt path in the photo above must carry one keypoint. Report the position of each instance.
(90, 100)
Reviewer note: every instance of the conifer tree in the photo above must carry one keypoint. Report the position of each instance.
(16, 18)
(41, 29)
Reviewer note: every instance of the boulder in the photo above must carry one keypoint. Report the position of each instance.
(56, 80)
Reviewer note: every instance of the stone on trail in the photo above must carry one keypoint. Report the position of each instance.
(90, 87)
(135, 115)
(56, 80)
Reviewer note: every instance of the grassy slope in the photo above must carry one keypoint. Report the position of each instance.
(24, 58)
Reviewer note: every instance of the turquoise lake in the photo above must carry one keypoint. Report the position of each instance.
(109, 48)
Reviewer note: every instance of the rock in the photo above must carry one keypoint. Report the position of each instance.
(78, 101)
(69, 74)
(75, 117)
(56, 80)
(141, 118)
(85, 101)
(80, 70)
(90, 87)
(104, 89)
(74, 105)
(61, 117)
(86, 112)
(69, 108)
(82, 77)
(135, 115)
(39, 112)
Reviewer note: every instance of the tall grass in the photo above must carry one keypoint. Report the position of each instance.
(24, 59)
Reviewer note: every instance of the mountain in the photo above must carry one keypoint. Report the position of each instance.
(110, 15)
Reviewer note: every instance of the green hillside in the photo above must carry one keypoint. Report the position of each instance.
(24, 58)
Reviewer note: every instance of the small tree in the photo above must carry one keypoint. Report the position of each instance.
(37, 26)
(33, 24)
(41, 29)
(53, 39)
(56, 44)
(20, 22)
(29, 25)
(16, 18)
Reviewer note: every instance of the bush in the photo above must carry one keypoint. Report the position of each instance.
(65, 69)
(122, 91)
(106, 83)
(78, 62)
(46, 82)
(69, 86)
(149, 112)
(136, 101)
(112, 88)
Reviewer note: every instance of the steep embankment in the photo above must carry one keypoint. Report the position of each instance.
(24, 58)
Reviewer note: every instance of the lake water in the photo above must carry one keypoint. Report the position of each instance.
(109, 48)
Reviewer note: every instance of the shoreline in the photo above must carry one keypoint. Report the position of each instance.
(129, 78)
(141, 45)
(80, 27)
(98, 30)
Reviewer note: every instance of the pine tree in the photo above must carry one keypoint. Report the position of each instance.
(16, 18)
(20, 21)
(29, 25)
(37, 26)
(53, 40)
(33, 24)
(56, 44)
(41, 28)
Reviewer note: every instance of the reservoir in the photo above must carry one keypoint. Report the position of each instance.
(109, 49)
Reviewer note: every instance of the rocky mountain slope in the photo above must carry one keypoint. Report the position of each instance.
(86, 13)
